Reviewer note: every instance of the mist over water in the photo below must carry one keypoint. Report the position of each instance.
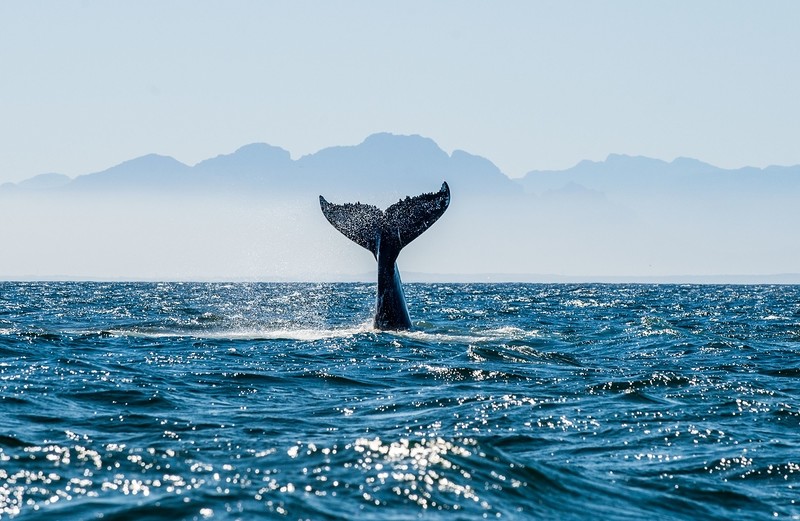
(263, 237)
(254, 214)
(509, 401)
(163, 237)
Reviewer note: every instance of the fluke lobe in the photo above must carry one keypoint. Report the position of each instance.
(385, 233)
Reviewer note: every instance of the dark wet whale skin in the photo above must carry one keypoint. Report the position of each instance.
(385, 234)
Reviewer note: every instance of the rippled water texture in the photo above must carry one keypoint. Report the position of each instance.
(239, 401)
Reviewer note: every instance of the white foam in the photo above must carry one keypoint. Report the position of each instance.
(310, 334)
(299, 334)
(486, 335)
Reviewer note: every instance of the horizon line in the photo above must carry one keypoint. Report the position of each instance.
(439, 278)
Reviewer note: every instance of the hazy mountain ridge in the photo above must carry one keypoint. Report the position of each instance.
(381, 164)
(254, 214)
(394, 165)
(644, 176)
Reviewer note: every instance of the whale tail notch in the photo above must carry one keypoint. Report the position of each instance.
(401, 223)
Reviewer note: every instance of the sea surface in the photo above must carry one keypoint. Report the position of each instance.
(507, 401)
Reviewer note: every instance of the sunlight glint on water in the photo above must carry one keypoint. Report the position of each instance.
(230, 401)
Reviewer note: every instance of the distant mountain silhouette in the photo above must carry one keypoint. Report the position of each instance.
(624, 216)
(382, 164)
(643, 176)
(386, 166)
(254, 166)
(41, 182)
(150, 171)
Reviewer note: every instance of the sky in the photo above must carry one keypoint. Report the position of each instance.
(527, 84)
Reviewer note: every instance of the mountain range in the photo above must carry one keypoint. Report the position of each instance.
(394, 164)
(253, 214)
(383, 163)
(636, 175)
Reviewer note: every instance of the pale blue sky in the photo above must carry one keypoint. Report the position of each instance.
(527, 84)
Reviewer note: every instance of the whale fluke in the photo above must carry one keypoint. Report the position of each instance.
(385, 233)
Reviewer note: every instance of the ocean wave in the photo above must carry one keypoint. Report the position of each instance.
(242, 401)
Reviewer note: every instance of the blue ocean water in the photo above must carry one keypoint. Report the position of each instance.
(507, 401)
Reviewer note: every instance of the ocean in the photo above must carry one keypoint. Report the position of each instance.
(506, 401)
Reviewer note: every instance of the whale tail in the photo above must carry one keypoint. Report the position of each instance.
(385, 233)
(398, 225)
